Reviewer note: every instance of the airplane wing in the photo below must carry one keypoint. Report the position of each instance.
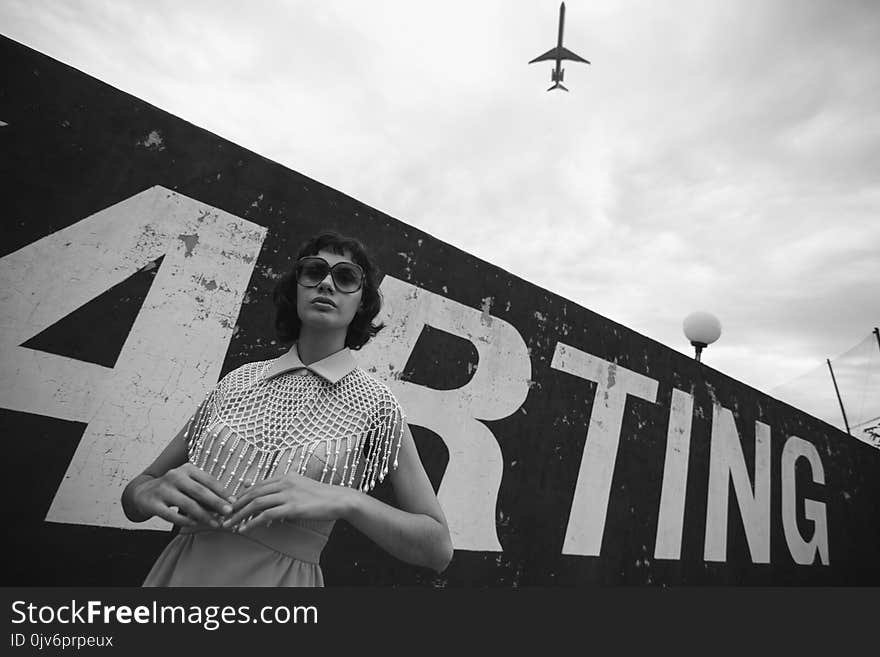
(560, 53)
(568, 54)
(550, 54)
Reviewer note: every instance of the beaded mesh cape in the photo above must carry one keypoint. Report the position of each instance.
(251, 428)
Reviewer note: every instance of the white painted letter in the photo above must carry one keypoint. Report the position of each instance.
(726, 462)
(172, 356)
(586, 521)
(670, 522)
(500, 384)
(803, 552)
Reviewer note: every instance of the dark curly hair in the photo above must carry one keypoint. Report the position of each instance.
(361, 329)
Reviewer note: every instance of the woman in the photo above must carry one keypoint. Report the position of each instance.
(283, 448)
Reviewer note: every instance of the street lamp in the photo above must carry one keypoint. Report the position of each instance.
(702, 329)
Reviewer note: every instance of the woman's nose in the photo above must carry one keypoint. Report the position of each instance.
(327, 282)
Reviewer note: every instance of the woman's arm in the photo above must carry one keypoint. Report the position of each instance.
(416, 532)
(171, 486)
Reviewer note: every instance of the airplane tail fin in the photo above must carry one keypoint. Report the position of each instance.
(557, 86)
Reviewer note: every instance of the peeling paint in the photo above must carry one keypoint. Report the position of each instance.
(485, 307)
(269, 273)
(244, 257)
(256, 203)
(541, 317)
(711, 390)
(189, 241)
(409, 261)
(153, 141)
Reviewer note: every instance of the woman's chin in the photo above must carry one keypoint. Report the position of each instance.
(322, 320)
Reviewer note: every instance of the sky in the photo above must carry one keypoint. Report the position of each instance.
(717, 156)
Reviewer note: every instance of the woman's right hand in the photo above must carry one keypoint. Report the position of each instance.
(185, 496)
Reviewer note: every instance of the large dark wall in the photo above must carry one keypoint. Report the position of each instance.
(73, 147)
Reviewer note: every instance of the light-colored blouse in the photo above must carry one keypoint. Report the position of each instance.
(330, 421)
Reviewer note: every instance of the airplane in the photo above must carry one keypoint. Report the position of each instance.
(559, 53)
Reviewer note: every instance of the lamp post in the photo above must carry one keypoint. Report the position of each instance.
(702, 329)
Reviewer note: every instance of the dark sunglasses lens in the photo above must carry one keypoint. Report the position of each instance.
(311, 271)
(347, 277)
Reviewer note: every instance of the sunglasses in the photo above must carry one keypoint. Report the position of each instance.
(347, 276)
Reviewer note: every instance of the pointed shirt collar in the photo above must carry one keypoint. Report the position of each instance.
(332, 368)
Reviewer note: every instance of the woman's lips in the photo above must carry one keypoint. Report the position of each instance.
(323, 302)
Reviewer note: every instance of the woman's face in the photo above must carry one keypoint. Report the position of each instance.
(325, 307)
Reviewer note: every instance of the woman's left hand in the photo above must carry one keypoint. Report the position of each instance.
(287, 497)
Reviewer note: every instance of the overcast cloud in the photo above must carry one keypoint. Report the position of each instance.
(720, 156)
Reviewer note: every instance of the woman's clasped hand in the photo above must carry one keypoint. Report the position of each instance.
(185, 496)
(287, 497)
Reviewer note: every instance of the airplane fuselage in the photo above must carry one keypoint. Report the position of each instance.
(559, 40)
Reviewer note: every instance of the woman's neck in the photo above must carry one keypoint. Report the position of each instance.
(314, 345)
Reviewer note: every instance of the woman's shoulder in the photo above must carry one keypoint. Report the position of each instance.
(362, 378)
(364, 383)
(372, 388)
(244, 375)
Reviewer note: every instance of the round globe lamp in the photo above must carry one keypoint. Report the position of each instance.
(702, 329)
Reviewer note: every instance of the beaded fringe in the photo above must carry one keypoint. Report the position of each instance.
(356, 416)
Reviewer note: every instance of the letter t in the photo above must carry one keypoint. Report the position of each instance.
(586, 522)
